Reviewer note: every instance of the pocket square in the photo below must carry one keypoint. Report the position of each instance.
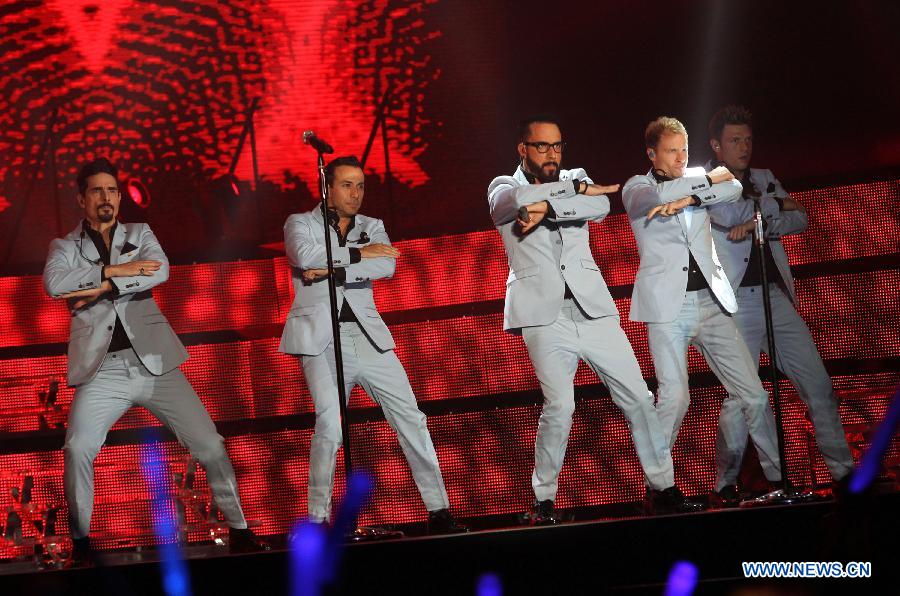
(128, 247)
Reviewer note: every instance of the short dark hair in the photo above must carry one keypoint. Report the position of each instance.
(346, 160)
(525, 124)
(101, 165)
(732, 114)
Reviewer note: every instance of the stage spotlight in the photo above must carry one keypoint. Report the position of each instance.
(138, 192)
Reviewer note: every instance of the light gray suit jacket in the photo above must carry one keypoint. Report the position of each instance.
(307, 330)
(736, 255)
(665, 243)
(553, 254)
(91, 328)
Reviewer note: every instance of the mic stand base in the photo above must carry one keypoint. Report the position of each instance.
(784, 497)
(372, 534)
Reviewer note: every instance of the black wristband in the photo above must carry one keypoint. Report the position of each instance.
(708, 179)
(577, 185)
(340, 276)
(780, 202)
(355, 255)
(696, 202)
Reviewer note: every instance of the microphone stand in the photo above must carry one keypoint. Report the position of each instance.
(358, 534)
(786, 495)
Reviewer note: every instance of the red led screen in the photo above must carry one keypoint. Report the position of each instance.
(475, 379)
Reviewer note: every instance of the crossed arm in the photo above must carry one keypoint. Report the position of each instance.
(670, 197)
(62, 278)
(528, 205)
(377, 259)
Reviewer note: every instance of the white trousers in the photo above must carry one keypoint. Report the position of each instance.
(382, 376)
(703, 323)
(555, 351)
(798, 358)
(123, 382)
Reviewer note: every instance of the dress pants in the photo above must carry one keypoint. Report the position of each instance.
(555, 351)
(703, 323)
(382, 376)
(123, 382)
(798, 358)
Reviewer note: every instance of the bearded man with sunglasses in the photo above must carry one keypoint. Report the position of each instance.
(557, 300)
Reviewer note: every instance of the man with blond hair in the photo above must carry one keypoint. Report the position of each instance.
(681, 292)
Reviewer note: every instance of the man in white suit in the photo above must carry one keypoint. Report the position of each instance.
(362, 252)
(557, 300)
(123, 352)
(681, 291)
(731, 138)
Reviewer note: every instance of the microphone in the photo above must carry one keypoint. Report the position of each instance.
(310, 138)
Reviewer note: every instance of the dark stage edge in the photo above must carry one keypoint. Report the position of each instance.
(630, 555)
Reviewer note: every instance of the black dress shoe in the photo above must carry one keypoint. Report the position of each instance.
(82, 554)
(726, 497)
(243, 540)
(672, 500)
(443, 522)
(543, 514)
(840, 489)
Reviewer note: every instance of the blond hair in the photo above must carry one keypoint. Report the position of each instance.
(662, 126)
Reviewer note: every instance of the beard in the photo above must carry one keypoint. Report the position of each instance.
(106, 215)
(545, 172)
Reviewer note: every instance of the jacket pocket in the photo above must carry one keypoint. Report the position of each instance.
(651, 271)
(154, 318)
(303, 311)
(589, 264)
(523, 273)
(80, 331)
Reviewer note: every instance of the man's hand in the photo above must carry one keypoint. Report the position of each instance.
(668, 209)
(536, 213)
(311, 275)
(720, 174)
(133, 268)
(740, 231)
(379, 250)
(595, 190)
(87, 296)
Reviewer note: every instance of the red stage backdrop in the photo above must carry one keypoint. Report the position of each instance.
(163, 87)
(445, 307)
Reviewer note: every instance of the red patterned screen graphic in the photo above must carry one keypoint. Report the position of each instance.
(474, 379)
(164, 89)
(162, 86)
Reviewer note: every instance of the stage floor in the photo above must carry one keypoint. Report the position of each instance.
(599, 550)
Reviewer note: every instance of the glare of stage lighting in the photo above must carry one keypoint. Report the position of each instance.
(138, 192)
(682, 579)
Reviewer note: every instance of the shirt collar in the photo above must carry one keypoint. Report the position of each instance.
(334, 220)
(94, 234)
(659, 176)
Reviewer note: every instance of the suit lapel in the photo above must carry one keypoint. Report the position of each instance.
(115, 247)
